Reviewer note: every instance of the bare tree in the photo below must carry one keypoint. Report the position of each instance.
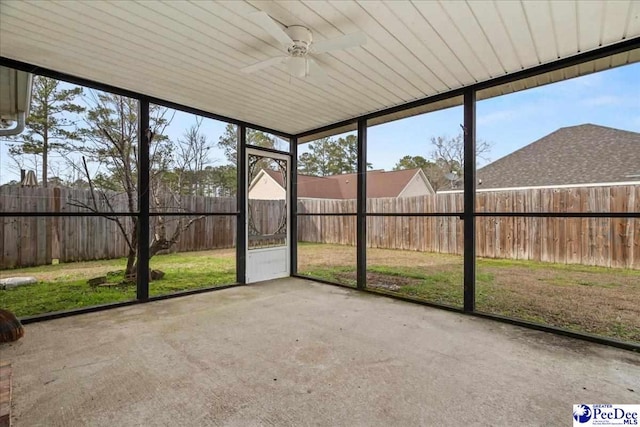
(25, 161)
(447, 160)
(191, 157)
(109, 164)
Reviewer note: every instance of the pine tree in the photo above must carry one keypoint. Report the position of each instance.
(50, 125)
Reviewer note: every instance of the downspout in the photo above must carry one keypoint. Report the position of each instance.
(17, 130)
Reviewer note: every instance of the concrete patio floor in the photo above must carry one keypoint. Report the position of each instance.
(294, 352)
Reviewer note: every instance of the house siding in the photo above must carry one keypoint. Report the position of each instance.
(266, 189)
(415, 187)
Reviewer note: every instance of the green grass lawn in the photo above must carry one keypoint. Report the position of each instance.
(596, 300)
(64, 286)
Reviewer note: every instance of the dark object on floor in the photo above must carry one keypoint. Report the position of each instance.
(10, 327)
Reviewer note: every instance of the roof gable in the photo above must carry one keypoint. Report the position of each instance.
(422, 177)
(380, 183)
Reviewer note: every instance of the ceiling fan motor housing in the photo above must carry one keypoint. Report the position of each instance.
(301, 37)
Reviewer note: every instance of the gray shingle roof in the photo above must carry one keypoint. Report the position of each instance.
(583, 154)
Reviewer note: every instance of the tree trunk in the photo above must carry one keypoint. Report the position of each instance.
(45, 164)
(132, 266)
(45, 151)
(130, 273)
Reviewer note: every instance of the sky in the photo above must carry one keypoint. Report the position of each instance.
(609, 98)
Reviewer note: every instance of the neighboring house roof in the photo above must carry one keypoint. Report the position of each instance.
(380, 183)
(583, 154)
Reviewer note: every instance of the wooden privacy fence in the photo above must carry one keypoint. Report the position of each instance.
(609, 242)
(31, 241)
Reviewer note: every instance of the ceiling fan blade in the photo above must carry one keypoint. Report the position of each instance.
(270, 26)
(316, 72)
(342, 42)
(263, 64)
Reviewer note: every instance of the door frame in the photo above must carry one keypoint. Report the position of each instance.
(286, 248)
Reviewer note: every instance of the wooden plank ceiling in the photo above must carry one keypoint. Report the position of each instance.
(190, 52)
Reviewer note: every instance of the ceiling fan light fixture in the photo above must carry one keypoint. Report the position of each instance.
(298, 66)
(301, 39)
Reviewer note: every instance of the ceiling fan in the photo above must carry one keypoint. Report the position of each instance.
(300, 47)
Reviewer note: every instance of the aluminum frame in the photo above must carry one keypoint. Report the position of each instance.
(361, 207)
(241, 194)
(293, 206)
(144, 140)
(469, 215)
(469, 131)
